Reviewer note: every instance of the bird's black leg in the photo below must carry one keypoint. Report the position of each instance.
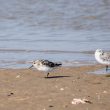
(47, 75)
(106, 68)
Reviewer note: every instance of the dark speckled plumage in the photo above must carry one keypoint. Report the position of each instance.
(50, 64)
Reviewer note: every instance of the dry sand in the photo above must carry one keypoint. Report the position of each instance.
(24, 89)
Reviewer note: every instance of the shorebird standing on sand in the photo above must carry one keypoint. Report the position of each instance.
(103, 57)
(45, 65)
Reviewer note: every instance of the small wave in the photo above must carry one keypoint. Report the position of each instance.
(44, 51)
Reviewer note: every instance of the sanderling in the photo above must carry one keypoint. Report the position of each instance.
(45, 65)
(103, 57)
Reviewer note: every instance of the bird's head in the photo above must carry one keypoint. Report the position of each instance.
(99, 51)
(34, 64)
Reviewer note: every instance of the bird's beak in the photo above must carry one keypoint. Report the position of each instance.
(30, 67)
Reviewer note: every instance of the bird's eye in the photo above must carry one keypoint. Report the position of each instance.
(100, 51)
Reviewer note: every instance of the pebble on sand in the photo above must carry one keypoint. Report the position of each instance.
(76, 101)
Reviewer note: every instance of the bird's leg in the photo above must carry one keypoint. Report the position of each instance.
(47, 75)
(106, 68)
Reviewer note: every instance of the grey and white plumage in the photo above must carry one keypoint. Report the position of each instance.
(103, 57)
(45, 65)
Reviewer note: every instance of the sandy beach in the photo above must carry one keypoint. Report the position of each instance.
(66, 31)
(68, 88)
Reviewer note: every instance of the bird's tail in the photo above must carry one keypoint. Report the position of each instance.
(58, 64)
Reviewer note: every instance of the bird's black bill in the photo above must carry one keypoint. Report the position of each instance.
(30, 67)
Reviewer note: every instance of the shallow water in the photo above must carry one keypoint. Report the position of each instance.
(60, 30)
(101, 71)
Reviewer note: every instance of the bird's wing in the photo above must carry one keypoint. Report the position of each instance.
(105, 56)
(48, 63)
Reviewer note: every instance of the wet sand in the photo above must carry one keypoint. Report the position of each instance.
(24, 89)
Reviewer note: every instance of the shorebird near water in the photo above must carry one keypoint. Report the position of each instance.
(103, 57)
(45, 65)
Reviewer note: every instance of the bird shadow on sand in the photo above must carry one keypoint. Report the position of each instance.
(52, 77)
